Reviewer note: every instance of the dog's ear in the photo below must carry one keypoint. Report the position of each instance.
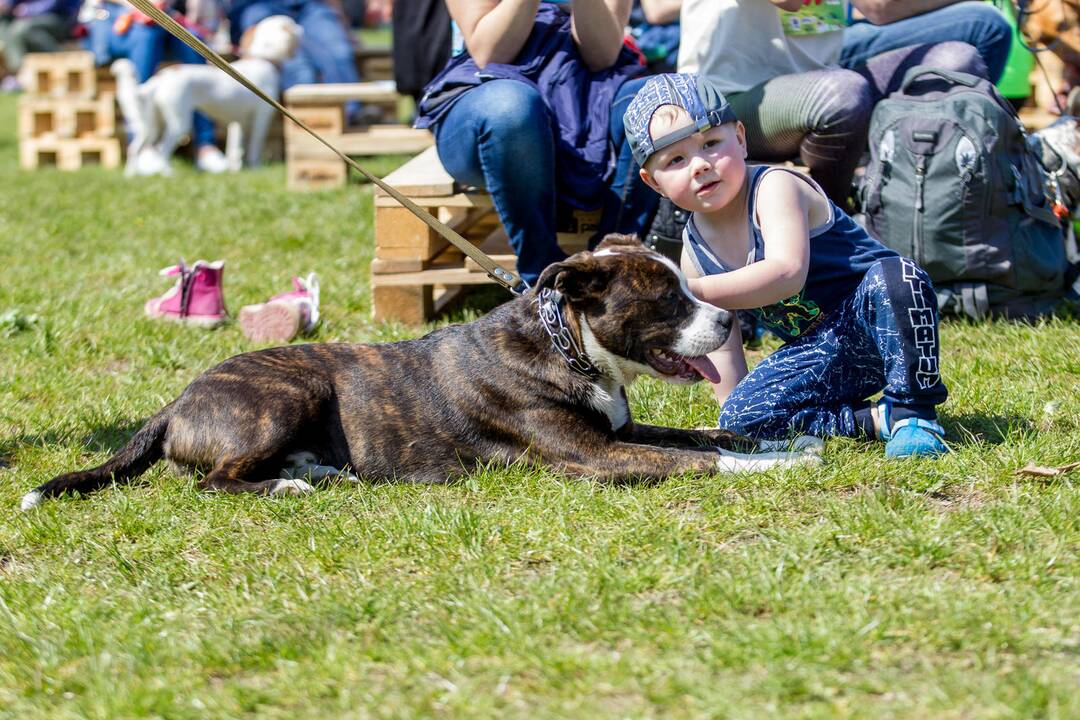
(615, 240)
(579, 277)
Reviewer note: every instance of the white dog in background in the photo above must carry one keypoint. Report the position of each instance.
(159, 111)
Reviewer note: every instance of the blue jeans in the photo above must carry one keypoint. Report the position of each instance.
(326, 51)
(500, 136)
(630, 203)
(977, 23)
(146, 46)
(883, 338)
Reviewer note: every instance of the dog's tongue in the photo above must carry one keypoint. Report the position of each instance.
(705, 368)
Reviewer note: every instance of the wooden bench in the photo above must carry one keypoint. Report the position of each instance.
(416, 272)
(310, 165)
(67, 114)
(374, 62)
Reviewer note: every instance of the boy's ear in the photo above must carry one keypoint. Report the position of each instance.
(648, 180)
(740, 133)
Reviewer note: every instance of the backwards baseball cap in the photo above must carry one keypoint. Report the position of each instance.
(693, 93)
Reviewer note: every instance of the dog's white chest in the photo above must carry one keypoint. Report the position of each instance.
(612, 402)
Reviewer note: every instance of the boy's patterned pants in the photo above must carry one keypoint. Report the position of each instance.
(883, 337)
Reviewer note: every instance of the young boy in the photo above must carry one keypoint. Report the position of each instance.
(855, 317)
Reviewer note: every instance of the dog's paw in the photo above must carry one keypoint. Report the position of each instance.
(291, 487)
(729, 461)
(31, 500)
(801, 443)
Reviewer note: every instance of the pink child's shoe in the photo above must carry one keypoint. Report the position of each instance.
(195, 299)
(280, 318)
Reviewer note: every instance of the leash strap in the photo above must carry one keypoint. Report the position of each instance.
(504, 277)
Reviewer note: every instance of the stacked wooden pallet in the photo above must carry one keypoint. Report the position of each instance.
(67, 113)
(416, 272)
(375, 62)
(310, 165)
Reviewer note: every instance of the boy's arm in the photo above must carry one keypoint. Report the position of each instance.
(729, 359)
(785, 228)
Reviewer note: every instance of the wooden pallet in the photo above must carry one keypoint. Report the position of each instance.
(416, 272)
(60, 74)
(375, 63)
(69, 153)
(310, 165)
(67, 117)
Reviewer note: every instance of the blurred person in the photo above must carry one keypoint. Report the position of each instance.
(116, 30)
(32, 26)
(804, 81)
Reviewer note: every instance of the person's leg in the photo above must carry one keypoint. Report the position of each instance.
(42, 33)
(328, 49)
(900, 310)
(823, 117)
(145, 48)
(500, 136)
(202, 127)
(327, 43)
(630, 202)
(885, 72)
(976, 23)
(817, 385)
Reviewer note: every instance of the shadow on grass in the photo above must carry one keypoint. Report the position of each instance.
(972, 429)
(103, 439)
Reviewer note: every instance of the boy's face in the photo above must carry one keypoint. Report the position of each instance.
(700, 173)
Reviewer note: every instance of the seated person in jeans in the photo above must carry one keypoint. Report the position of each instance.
(804, 82)
(326, 51)
(116, 30)
(530, 108)
(32, 26)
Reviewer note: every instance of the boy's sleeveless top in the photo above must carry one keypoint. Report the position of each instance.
(579, 99)
(840, 254)
(739, 44)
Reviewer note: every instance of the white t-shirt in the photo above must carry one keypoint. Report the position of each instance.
(738, 44)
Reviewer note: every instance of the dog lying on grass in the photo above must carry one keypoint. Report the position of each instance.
(541, 378)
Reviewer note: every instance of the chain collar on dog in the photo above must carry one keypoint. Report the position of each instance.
(550, 310)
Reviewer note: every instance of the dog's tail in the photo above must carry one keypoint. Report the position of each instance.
(143, 450)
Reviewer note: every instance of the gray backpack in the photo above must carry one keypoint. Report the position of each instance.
(953, 185)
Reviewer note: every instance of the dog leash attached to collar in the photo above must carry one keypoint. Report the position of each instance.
(504, 277)
(550, 310)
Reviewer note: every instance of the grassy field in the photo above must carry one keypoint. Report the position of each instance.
(861, 588)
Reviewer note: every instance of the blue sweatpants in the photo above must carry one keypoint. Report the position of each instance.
(882, 338)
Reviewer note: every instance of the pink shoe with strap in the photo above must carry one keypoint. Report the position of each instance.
(284, 316)
(195, 299)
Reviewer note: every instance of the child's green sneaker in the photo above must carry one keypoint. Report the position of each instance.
(910, 436)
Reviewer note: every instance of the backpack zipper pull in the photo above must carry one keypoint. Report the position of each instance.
(920, 177)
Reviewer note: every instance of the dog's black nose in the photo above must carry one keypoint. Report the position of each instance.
(725, 319)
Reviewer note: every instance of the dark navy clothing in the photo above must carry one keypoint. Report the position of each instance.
(840, 254)
(866, 322)
(578, 98)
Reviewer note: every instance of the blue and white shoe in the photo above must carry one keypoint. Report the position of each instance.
(910, 436)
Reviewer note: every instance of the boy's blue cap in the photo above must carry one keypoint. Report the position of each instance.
(693, 93)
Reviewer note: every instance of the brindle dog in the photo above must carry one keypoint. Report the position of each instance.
(540, 378)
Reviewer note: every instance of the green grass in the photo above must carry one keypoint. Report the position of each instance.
(861, 588)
